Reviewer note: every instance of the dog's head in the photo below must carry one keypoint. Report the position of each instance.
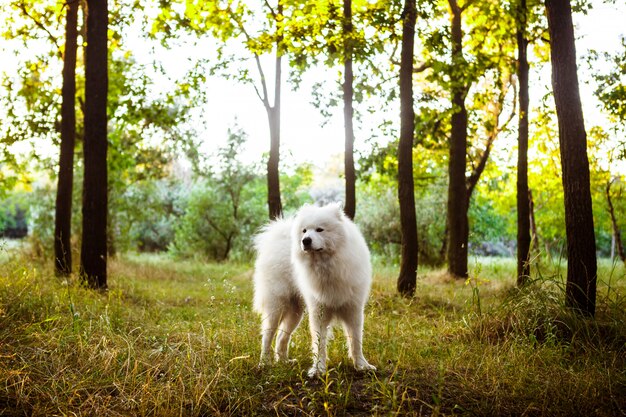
(319, 229)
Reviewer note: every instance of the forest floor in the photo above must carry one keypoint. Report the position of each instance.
(175, 337)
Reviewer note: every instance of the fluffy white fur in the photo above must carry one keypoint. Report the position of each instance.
(318, 260)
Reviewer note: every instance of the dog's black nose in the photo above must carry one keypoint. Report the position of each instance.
(306, 242)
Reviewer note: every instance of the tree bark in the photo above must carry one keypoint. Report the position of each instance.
(273, 114)
(581, 246)
(65, 183)
(534, 237)
(348, 111)
(523, 203)
(273, 174)
(457, 198)
(406, 193)
(94, 241)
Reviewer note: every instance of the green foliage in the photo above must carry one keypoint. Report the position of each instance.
(14, 215)
(295, 188)
(379, 219)
(41, 217)
(147, 214)
(611, 88)
(151, 130)
(221, 213)
(492, 214)
(214, 225)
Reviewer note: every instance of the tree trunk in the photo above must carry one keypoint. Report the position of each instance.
(523, 204)
(348, 111)
(533, 225)
(406, 193)
(94, 242)
(273, 173)
(457, 199)
(581, 245)
(617, 238)
(472, 180)
(65, 184)
(274, 203)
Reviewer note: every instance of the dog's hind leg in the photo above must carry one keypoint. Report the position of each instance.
(289, 322)
(269, 324)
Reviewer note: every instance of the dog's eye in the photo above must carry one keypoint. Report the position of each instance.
(319, 230)
(303, 230)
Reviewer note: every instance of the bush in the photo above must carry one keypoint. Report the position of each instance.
(214, 226)
(14, 216)
(378, 215)
(145, 217)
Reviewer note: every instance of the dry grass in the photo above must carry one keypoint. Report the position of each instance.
(179, 338)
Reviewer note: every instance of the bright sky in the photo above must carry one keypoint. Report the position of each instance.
(303, 137)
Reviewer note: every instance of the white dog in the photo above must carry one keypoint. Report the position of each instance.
(318, 259)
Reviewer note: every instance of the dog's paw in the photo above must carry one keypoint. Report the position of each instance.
(284, 359)
(265, 361)
(364, 366)
(316, 370)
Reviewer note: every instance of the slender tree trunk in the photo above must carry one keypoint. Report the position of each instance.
(458, 228)
(273, 173)
(406, 193)
(348, 111)
(533, 225)
(273, 113)
(523, 204)
(617, 238)
(581, 245)
(94, 242)
(65, 184)
(472, 180)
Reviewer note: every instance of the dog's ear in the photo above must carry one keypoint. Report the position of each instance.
(337, 208)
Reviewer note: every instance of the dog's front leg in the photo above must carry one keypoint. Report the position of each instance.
(353, 326)
(319, 319)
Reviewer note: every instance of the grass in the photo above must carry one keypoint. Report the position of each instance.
(179, 338)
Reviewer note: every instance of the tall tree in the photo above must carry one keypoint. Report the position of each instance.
(274, 202)
(581, 245)
(406, 193)
(523, 203)
(458, 228)
(258, 46)
(231, 21)
(95, 187)
(63, 207)
(348, 111)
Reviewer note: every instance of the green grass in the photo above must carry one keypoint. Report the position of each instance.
(179, 338)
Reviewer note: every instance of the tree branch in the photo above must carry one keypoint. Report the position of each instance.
(41, 26)
(264, 98)
(267, 4)
(422, 67)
